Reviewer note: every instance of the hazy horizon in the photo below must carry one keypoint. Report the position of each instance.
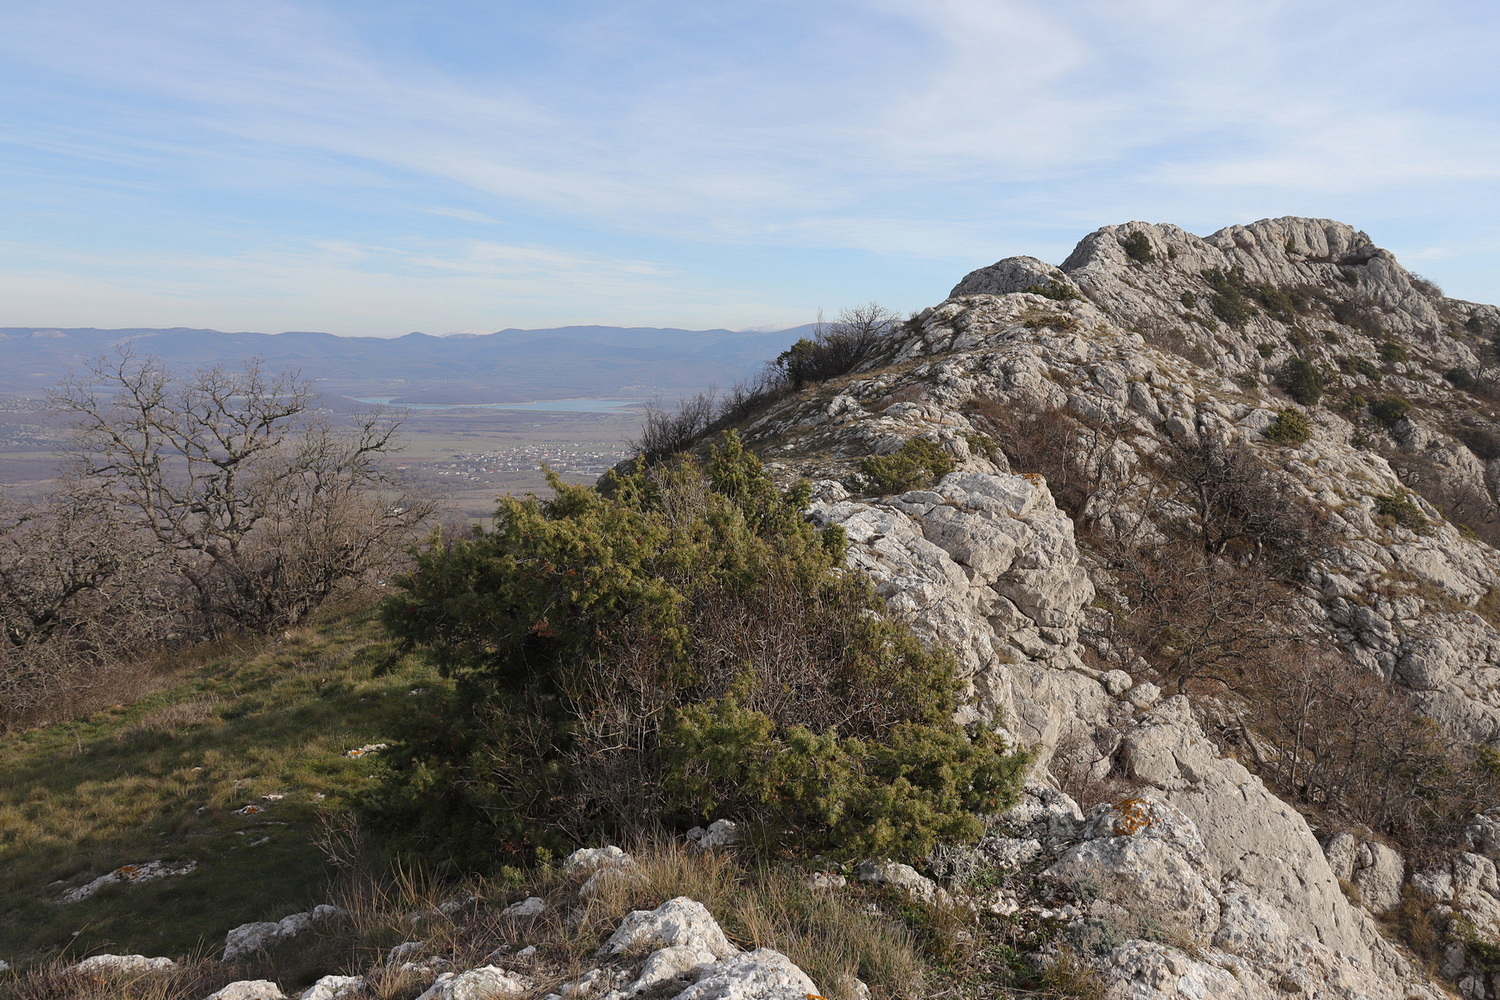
(379, 167)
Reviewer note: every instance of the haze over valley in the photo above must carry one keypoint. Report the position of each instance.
(483, 412)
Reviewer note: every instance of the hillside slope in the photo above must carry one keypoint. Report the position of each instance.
(1210, 524)
(1110, 385)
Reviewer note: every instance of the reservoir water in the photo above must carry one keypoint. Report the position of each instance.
(554, 405)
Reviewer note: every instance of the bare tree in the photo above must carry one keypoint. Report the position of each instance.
(78, 590)
(252, 496)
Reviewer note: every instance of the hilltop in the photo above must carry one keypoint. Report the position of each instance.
(1210, 527)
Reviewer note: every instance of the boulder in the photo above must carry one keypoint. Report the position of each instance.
(678, 923)
(762, 974)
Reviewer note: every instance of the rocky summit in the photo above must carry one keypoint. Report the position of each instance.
(1094, 413)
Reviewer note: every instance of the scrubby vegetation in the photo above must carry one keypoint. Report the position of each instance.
(1390, 410)
(919, 463)
(1137, 246)
(679, 643)
(834, 349)
(1291, 427)
(1302, 380)
(1054, 290)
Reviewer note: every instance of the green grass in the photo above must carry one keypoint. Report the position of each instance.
(161, 780)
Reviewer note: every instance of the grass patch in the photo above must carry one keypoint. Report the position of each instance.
(163, 778)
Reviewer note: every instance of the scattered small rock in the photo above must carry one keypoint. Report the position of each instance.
(121, 964)
(531, 906)
(720, 833)
(247, 939)
(129, 875)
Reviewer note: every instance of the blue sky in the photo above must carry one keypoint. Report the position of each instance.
(380, 166)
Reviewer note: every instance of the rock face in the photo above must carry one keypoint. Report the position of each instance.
(1148, 339)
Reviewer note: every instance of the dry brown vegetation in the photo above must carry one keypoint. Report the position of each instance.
(198, 506)
(1214, 609)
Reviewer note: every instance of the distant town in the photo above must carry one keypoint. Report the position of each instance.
(573, 460)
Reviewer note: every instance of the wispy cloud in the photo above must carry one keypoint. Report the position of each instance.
(674, 146)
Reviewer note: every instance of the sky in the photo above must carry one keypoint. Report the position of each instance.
(375, 167)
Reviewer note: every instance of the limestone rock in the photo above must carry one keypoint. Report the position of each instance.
(762, 974)
(247, 939)
(720, 833)
(249, 989)
(483, 983)
(531, 906)
(671, 963)
(1374, 869)
(677, 923)
(590, 859)
(104, 965)
(334, 988)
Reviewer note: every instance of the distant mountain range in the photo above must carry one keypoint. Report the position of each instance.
(504, 367)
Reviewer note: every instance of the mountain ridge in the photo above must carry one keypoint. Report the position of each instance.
(508, 365)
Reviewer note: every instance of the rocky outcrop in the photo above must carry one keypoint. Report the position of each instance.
(1150, 338)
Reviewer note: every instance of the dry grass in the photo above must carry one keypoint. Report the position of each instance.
(161, 779)
(829, 934)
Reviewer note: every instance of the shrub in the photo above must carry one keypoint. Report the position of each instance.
(1137, 247)
(981, 443)
(675, 645)
(837, 348)
(1397, 508)
(664, 433)
(1360, 366)
(1425, 285)
(1055, 290)
(1267, 351)
(1355, 746)
(1460, 378)
(1291, 427)
(1189, 300)
(1229, 301)
(1392, 352)
(1390, 410)
(1049, 320)
(259, 509)
(1301, 380)
(918, 464)
(1359, 313)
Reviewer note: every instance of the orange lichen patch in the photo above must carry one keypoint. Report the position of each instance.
(1131, 817)
(1034, 478)
(127, 872)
